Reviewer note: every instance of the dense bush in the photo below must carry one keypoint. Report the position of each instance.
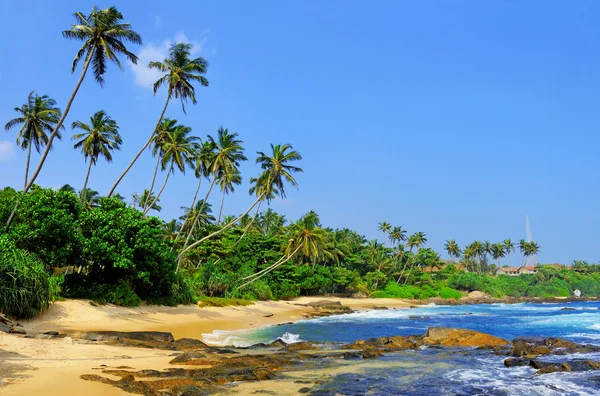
(25, 288)
(447, 292)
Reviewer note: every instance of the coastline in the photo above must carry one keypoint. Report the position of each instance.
(32, 365)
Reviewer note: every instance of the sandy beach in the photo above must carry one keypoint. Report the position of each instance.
(53, 367)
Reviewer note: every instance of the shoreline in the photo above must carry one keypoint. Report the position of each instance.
(33, 365)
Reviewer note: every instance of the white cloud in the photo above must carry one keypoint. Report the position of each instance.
(143, 75)
(7, 151)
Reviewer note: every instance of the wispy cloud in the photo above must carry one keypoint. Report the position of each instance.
(143, 75)
(7, 151)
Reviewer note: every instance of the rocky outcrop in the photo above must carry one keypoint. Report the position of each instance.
(394, 343)
(302, 346)
(9, 326)
(152, 336)
(531, 347)
(452, 337)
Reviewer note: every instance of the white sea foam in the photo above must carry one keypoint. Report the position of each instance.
(290, 338)
(595, 326)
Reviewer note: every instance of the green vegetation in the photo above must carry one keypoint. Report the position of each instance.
(59, 243)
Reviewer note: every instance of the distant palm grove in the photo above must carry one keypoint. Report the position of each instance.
(75, 242)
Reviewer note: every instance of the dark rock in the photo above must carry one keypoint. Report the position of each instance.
(189, 390)
(157, 336)
(190, 357)
(352, 355)
(302, 346)
(185, 344)
(568, 309)
(514, 362)
(268, 315)
(371, 353)
(324, 303)
(51, 333)
(380, 308)
(536, 346)
(4, 328)
(286, 323)
(304, 390)
(278, 343)
(419, 317)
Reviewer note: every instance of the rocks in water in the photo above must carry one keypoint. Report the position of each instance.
(352, 355)
(568, 309)
(302, 346)
(394, 343)
(371, 353)
(454, 337)
(536, 346)
(278, 343)
(570, 366)
(515, 362)
(419, 317)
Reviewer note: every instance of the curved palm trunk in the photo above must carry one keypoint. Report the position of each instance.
(160, 191)
(27, 166)
(195, 222)
(188, 214)
(144, 147)
(221, 209)
(87, 177)
(273, 267)
(245, 230)
(152, 184)
(224, 228)
(404, 267)
(54, 133)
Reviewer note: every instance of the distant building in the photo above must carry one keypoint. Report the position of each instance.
(528, 269)
(508, 271)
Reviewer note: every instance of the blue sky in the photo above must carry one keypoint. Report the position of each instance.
(456, 118)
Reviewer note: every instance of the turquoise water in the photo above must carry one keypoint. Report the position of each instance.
(442, 372)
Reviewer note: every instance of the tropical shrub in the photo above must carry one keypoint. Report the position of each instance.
(24, 284)
(447, 292)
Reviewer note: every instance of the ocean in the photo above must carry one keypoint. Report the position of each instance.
(446, 371)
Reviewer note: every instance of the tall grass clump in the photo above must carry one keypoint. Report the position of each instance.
(24, 283)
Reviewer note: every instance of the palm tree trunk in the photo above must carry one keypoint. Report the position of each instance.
(27, 166)
(160, 191)
(152, 184)
(87, 176)
(221, 209)
(198, 212)
(245, 230)
(144, 147)
(271, 268)
(186, 217)
(224, 228)
(57, 127)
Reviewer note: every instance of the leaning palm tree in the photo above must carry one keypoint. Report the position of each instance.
(99, 138)
(139, 199)
(178, 151)
(397, 235)
(417, 240)
(498, 252)
(38, 117)
(227, 154)
(204, 218)
(509, 247)
(452, 249)
(276, 172)
(179, 72)
(165, 128)
(523, 248)
(304, 239)
(103, 35)
(227, 180)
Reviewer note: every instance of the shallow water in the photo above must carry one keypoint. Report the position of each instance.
(445, 372)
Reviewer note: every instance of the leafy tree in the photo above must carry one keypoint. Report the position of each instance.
(452, 249)
(99, 138)
(38, 117)
(140, 199)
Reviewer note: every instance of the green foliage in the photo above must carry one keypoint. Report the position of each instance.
(222, 302)
(25, 288)
(447, 292)
(393, 290)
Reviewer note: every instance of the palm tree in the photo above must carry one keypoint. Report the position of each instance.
(201, 212)
(397, 235)
(68, 188)
(271, 222)
(178, 151)
(227, 153)
(531, 249)
(305, 239)
(498, 252)
(452, 249)
(384, 227)
(100, 138)
(523, 248)
(179, 72)
(227, 179)
(509, 247)
(166, 128)
(139, 199)
(90, 198)
(38, 116)
(417, 240)
(276, 171)
(103, 35)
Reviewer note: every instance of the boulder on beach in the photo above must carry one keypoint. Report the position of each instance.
(536, 346)
(446, 336)
(157, 336)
